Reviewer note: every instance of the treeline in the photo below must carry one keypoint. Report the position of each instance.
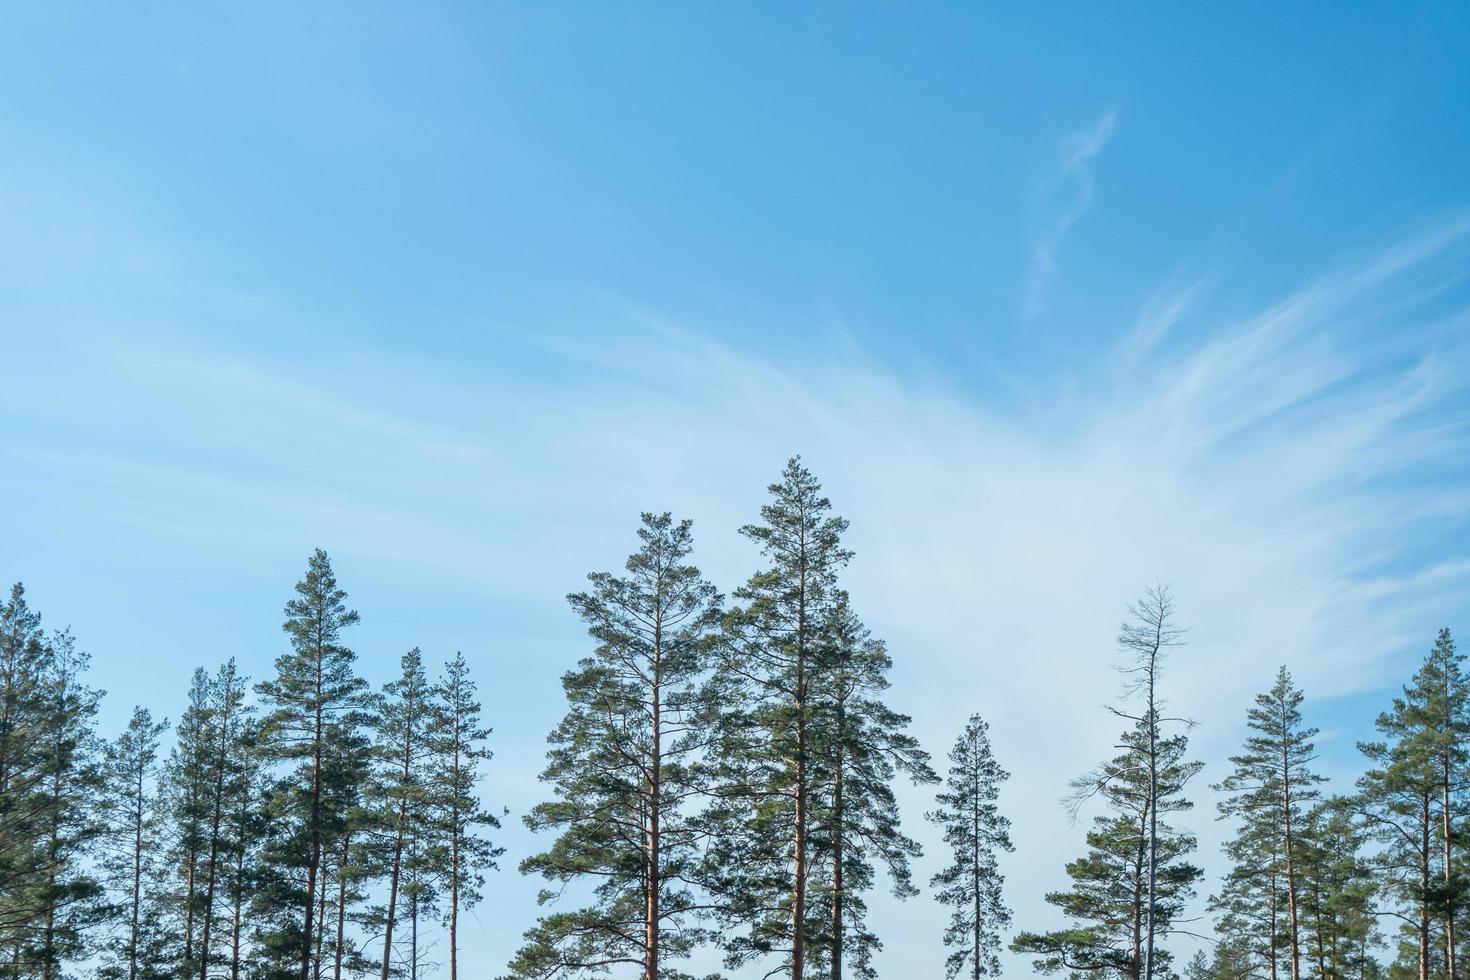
(720, 789)
(303, 828)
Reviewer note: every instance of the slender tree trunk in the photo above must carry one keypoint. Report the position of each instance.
(237, 897)
(978, 936)
(321, 918)
(654, 885)
(1136, 962)
(1287, 844)
(192, 860)
(215, 819)
(341, 906)
(1317, 915)
(1153, 821)
(798, 891)
(48, 944)
(394, 875)
(1424, 851)
(454, 870)
(413, 934)
(313, 859)
(137, 877)
(1447, 829)
(837, 834)
(1271, 937)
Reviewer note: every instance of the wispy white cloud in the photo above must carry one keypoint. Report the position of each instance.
(1069, 196)
(1257, 462)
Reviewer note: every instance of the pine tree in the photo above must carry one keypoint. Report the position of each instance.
(187, 783)
(1271, 788)
(859, 748)
(1446, 731)
(975, 831)
(1249, 906)
(1337, 891)
(355, 858)
(316, 704)
(1134, 883)
(24, 717)
(224, 765)
(70, 788)
(625, 765)
(245, 828)
(761, 866)
(459, 753)
(139, 946)
(405, 725)
(1405, 790)
(1146, 637)
(1108, 901)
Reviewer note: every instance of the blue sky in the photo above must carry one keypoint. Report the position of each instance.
(1057, 306)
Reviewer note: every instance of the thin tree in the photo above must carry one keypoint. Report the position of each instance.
(406, 720)
(460, 751)
(624, 764)
(761, 868)
(70, 789)
(975, 831)
(860, 747)
(139, 946)
(24, 717)
(1404, 787)
(1273, 782)
(1108, 899)
(1145, 638)
(315, 700)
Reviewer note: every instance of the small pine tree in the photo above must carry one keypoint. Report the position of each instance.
(406, 720)
(1270, 790)
(24, 719)
(975, 831)
(860, 747)
(459, 754)
(138, 945)
(1107, 902)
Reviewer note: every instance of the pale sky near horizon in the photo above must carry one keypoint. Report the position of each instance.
(1055, 306)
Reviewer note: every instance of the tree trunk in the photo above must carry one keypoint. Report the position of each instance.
(215, 819)
(653, 885)
(798, 885)
(313, 859)
(1291, 900)
(1153, 816)
(837, 834)
(393, 877)
(137, 877)
(341, 906)
(1449, 910)
(1271, 938)
(978, 937)
(1424, 851)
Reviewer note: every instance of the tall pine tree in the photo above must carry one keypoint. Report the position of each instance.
(138, 945)
(316, 704)
(1270, 790)
(1108, 900)
(625, 767)
(975, 831)
(459, 753)
(860, 747)
(762, 862)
